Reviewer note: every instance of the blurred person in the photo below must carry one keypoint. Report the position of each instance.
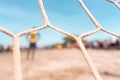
(68, 45)
(106, 44)
(100, 44)
(9, 49)
(59, 46)
(76, 45)
(94, 44)
(1, 48)
(118, 43)
(113, 43)
(33, 37)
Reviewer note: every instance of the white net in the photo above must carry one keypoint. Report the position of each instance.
(16, 47)
(115, 2)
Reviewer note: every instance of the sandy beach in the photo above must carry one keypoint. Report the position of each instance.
(66, 64)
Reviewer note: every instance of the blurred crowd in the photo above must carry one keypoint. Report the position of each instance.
(96, 44)
(106, 44)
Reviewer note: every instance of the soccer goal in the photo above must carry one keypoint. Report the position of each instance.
(47, 24)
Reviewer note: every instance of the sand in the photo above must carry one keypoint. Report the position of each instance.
(66, 64)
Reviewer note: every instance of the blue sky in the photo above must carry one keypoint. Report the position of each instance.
(21, 15)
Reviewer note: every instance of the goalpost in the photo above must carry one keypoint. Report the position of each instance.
(16, 46)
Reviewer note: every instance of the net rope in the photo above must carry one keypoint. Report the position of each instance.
(47, 24)
(115, 2)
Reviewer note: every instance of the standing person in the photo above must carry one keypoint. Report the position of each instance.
(32, 37)
(1, 48)
(118, 43)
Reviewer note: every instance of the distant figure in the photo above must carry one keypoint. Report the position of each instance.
(113, 43)
(76, 45)
(59, 46)
(33, 37)
(9, 48)
(94, 44)
(118, 43)
(1, 48)
(68, 45)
